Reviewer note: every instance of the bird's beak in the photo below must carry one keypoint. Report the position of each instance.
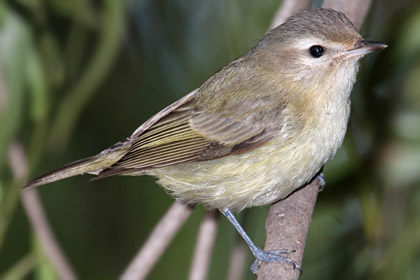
(364, 47)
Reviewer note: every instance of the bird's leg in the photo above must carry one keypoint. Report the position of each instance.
(321, 178)
(260, 255)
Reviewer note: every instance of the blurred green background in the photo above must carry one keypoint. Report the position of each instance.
(78, 76)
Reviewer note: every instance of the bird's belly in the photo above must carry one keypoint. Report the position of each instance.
(259, 177)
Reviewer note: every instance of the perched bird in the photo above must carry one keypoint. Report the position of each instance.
(254, 132)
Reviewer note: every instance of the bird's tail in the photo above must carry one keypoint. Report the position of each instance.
(92, 165)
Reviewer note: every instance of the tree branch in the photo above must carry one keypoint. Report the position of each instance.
(287, 8)
(204, 246)
(238, 260)
(157, 242)
(287, 227)
(355, 10)
(37, 217)
(288, 221)
(39, 222)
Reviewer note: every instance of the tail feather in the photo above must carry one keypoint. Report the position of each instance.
(72, 169)
(111, 172)
(92, 165)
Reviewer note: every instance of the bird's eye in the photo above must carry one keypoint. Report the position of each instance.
(316, 51)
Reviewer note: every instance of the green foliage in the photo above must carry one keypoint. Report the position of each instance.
(15, 44)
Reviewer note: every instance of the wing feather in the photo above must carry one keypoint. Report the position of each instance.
(196, 130)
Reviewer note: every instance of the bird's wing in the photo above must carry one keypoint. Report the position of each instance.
(213, 122)
(188, 135)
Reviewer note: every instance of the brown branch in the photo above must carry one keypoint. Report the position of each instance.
(355, 10)
(287, 227)
(37, 218)
(238, 260)
(3, 93)
(36, 215)
(204, 246)
(17, 161)
(157, 242)
(21, 269)
(288, 221)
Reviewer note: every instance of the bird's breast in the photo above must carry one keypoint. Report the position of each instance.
(263, 175)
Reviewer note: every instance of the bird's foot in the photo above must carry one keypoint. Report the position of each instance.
(321, 179)
(272, 256)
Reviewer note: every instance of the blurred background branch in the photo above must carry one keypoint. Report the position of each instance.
(204, 246)
(356, 10)
(36, 215)
(158, 240)
(286, 9)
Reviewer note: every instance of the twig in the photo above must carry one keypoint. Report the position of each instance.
(19, 170)
(287, 227)
(204, 246)
(287, 8)
(36, 215)
(17, 161)
(355, 10)
(289, 220)
(21, 269)
(157, 242)
(238, 260)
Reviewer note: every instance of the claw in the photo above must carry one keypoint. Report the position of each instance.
(273, 256)
(321, 179)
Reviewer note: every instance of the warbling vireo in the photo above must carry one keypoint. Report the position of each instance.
(254, 132)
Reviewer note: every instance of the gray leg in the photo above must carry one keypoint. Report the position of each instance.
(322, 183)
(260, 254)
(321, 179)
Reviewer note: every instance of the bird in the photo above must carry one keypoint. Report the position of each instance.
(257, 130)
